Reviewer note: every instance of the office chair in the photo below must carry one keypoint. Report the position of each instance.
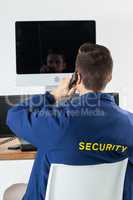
(15, 192)
(91, 182)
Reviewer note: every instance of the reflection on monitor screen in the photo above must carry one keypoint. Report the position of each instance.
(50, 46)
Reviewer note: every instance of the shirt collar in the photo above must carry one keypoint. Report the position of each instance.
(93, 96)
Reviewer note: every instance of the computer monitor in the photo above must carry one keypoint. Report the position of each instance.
(116, 97)
(6, 102)
(46, 50)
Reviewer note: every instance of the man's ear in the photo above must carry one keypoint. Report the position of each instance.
(79, 78)
(109, 78)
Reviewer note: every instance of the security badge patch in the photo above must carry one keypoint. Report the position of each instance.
(101, 147)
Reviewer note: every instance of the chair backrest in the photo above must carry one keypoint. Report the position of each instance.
(91, 182)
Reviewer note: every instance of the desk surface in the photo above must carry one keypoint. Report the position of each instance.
(6, 154)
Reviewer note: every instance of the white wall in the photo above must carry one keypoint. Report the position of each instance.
(114, 29)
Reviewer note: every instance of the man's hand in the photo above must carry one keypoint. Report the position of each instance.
(62, 90)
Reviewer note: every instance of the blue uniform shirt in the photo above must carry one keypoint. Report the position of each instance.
(85, 130)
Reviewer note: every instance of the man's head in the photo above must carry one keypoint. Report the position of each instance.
(56, 61)
(94, 66)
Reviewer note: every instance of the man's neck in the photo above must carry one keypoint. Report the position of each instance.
(84, 91)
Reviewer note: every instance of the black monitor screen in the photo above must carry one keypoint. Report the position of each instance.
(6, 102)
(116, 97)
(50, 46)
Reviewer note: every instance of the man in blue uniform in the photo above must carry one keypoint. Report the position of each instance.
(84, 130)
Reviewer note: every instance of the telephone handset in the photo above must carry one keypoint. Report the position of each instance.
(73, 80)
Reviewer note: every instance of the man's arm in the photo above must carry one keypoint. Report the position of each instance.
(23, 118)
(38, 120)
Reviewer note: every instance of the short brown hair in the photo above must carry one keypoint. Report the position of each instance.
(94, 63)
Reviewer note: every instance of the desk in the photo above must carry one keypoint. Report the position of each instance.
(15, 165)
(6, 154)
